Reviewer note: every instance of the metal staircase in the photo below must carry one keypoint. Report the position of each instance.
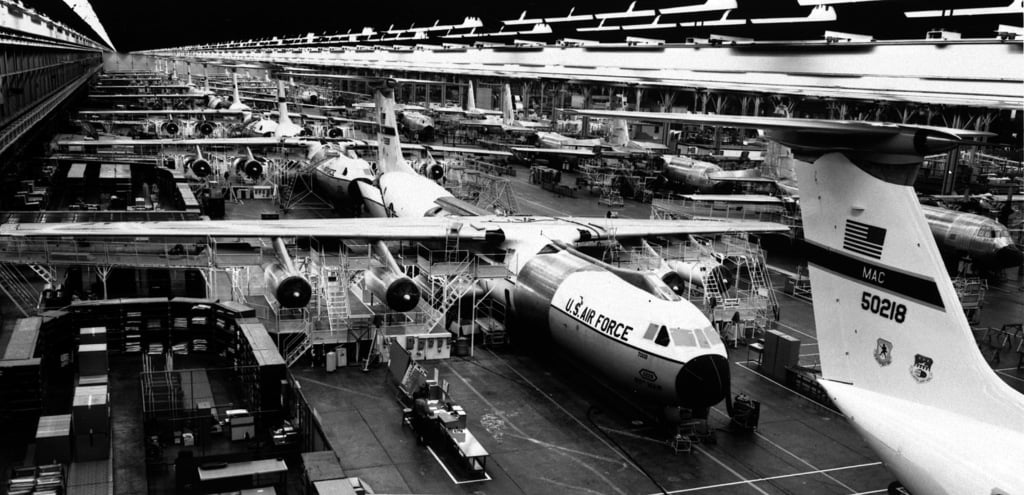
(452, 289)
(18, 289)
(336, 296)
(297, 345)
(48, 274)
(761, 282)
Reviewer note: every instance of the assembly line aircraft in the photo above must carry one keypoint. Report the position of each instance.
(483, 117)
(630, 325)
(898, 356)
(986, 242)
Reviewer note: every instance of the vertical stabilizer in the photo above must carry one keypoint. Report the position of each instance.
(284, 121)
(471, 98)
(888, 319)
(389, 148)
(236, 95)
(508, 113)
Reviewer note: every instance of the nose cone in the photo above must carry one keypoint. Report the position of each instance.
(703, 382)
(1009, 256)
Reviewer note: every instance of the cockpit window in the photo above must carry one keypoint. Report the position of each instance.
(702, 339)
(548, 249)
(684, 337)
(713, 336)
(662, 339)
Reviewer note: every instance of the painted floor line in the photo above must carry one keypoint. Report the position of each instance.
(564, 410)
(513, 426)
(790, 327)
(779, 477)
(787, 452)
(743, 365)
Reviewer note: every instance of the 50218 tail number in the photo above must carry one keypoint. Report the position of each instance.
(883, 306)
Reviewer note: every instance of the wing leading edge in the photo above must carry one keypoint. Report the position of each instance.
(493, 228)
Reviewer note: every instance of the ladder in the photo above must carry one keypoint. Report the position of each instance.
(455, 287)
(46, 273)
(298, 349)
(336, 295)
(761, 281)
(18, 289)
(374, 336)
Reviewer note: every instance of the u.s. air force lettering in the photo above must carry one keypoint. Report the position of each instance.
(577, 309)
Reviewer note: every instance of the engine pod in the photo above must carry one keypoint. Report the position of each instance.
(200, 167)
(290, 288)
(398, 291)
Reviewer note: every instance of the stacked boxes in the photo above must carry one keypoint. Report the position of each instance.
(53, 439)
(92, 335)
(781, 351)
(92, 359)
(90, 418)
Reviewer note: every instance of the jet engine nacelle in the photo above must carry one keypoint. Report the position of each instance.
(336, 132)
(170, 127)
(309, 96)
(206, 128)
(396, 289)
(252, 168)
(291, 289)
(199, 166)
(433, 170)
(696, 272)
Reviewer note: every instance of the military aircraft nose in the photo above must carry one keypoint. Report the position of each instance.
(1009, 256)
(703, 382)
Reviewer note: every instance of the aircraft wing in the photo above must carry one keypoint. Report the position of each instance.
(328, 118)
(761, 199)
(254, 141)
(207, 111)
(468, 151)
(145, 95)
(473, 228)
(780, 123)
(555, 151)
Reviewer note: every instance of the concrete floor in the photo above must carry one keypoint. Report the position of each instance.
(551, 427)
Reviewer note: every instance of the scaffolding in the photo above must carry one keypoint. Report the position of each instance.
(749, 299)
(482, 189)
(971, 292)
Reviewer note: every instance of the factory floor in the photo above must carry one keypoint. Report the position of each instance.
(551, 427)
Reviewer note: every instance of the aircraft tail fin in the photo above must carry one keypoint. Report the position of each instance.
(618, 134)
(887, 316)
(389, 147)
(236, 95)
(508, 113)
(283, 119)
(471, 98)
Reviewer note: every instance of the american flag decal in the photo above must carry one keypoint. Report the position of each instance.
(865, 239)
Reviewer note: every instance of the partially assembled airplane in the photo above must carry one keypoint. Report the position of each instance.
(629, 325)
(474, 115)
(618, 142)
(898, 356)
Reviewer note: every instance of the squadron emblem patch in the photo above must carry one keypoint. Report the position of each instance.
(921, 370)
(883, 352)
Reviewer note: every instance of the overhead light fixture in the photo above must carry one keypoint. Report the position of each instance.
(1013, 8)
